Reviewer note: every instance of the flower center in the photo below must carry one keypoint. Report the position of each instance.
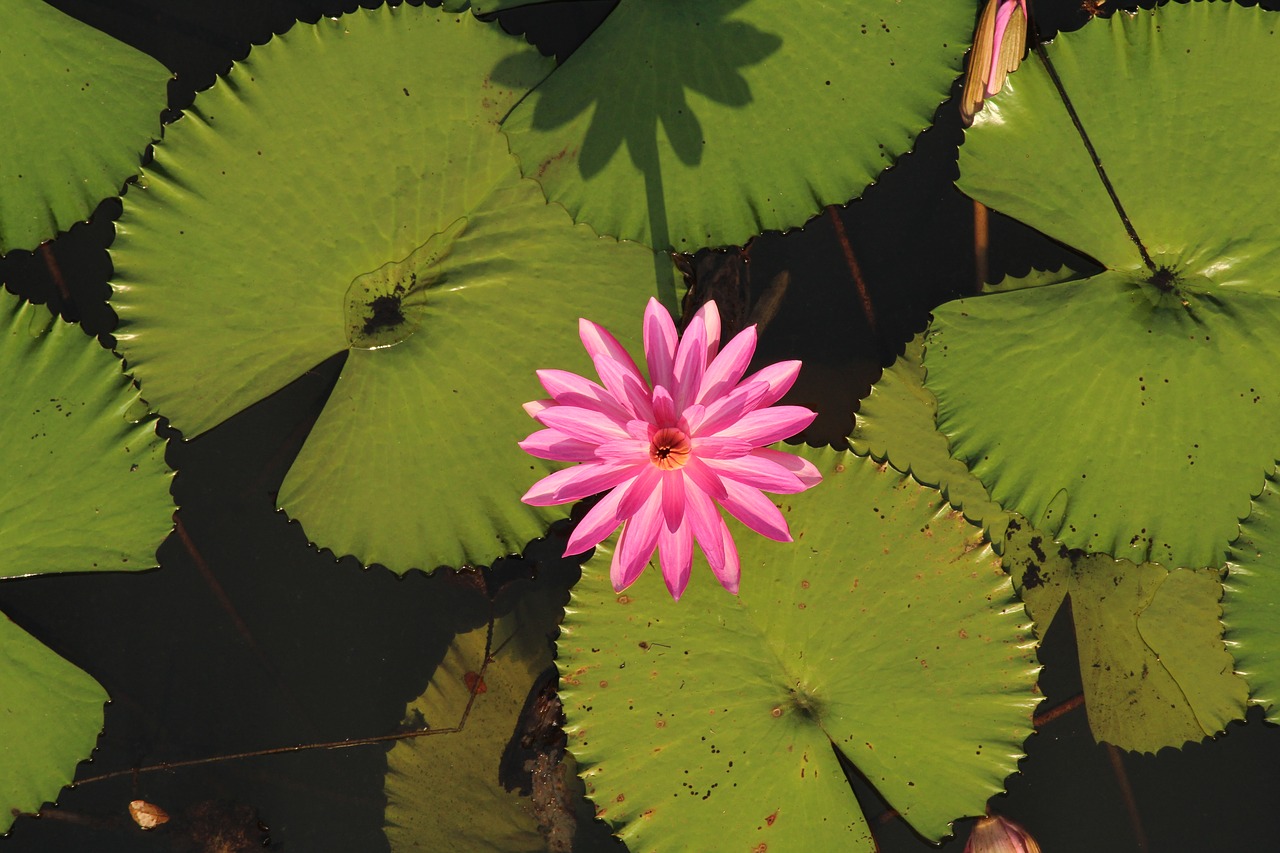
(669, 449)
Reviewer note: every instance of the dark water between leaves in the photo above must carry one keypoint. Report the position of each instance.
(249, 639)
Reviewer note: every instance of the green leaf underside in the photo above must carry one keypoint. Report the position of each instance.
(285, 193)
(69, 418)
(443, 790)
(708, 723)
(1251, 606)
(1119, 415)
(50, 716)
(686, 105)
(79, 110)
(895, 424)
(1154, 667)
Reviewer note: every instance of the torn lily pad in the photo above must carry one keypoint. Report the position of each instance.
(296, 212)
(80, 108)
(1132, 412)
(709, 723)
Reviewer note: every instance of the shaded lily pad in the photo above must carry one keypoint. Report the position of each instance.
(660, 127)
(297, 212)
(1154, 667)
(50, 716)
(79, 110)
(86, 485)
(1130, 413)
(709, 723)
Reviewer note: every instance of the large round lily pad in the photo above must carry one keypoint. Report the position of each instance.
(79, 109)
(1132, 412)
(300, 210)
(1251, 606)
(702, 124)
(885, 630)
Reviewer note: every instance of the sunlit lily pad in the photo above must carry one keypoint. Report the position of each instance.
(703, 124)
(885, 629)
(86, 485)
(1152, 660)
(299, 211)
(1131, 413)
(50, 716)
(79, 110)
(1251, 607)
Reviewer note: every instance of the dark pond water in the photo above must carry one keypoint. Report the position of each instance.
(249, 639)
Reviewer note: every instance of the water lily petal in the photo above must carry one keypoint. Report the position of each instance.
(627, 387)
(730, 573)
(703, 477)
(673, 499)
(635, 495)
(729, 409)
(664, 408)
(553, 444)
(574, 484)
(709, 315)
(706, 522)
(675, 556)
(533, 407)
(601, 345)
(639, 539)
(719, 447)
(583, 424)
(623, 448)
(765, 426)
(691, 362)
(758, 473)
(660, 340)
(601, 520)
(726, 370)
(570, 389)
(801, 467)
(753, 509)
(779, 377)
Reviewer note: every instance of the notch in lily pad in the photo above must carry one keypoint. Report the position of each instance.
(384, 307)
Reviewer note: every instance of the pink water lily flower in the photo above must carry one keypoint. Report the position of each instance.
(670, 450)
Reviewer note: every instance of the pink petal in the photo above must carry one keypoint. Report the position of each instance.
(706, 522)
(673, 499)
(581, 481)
(754, 510)
(627, 387)
(731, 573)
(583, 424)
(601, 345)
(691, 361)
(664, 408)
(710, 316)
(675, 552)
(659, 343)
(798, 465)
(570, 389)
(703, 477)
(553, 444)
(534, 407)
(624, 448)
(727, 410)
(758, 473)
(779, 377)
(1003, 14)
(601, 520)
(639, 539)
(726, 370)
(765, 426)
(719, 447)
(638, 493)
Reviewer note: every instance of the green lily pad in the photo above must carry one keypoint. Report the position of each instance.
(50, 716)
(1251, 606)
(687, 105)
(80, 108)
(86, 485)
(298, 212)
(1152, 660)
(1128, 413)
(885, 630)
(895, 424)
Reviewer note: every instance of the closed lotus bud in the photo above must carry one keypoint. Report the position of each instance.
(1000, 835)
